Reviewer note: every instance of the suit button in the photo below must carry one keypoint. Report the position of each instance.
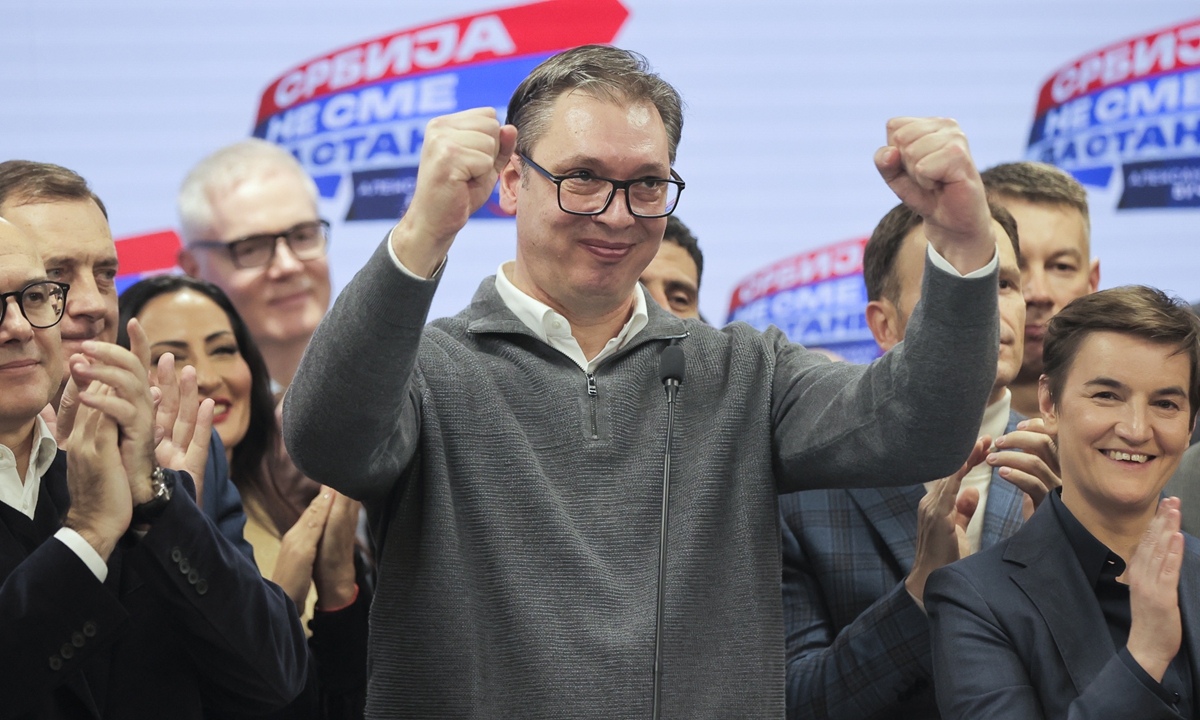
(67, 651)
(89, 629)
(184, 567)
(56, 663)
(77, 639)
(201, 586)
(176, 555)
(193, 576)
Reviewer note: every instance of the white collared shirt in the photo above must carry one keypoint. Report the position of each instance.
(555, 330)
(23, 495)
(550, 326)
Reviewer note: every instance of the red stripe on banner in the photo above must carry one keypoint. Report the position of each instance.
(1167, 50)
(831, 261)
(147, 253)
(523, 30)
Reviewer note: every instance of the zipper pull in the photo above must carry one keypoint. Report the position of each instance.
(591, 384)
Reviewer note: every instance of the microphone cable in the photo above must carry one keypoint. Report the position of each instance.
(670, 371)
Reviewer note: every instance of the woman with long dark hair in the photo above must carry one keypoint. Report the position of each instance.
(293, 545)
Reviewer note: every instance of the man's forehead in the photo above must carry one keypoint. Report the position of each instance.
(19, 258)
(1049, 228)
(585, 126)
(65, 230)
(673, 257)
(269, 200)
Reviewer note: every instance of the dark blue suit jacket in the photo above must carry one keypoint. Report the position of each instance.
(222, 502)
(1018, 633)
(857, 643)
(182, 620)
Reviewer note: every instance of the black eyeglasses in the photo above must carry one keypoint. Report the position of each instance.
(42, 303)
(307, 241)
(582, 193)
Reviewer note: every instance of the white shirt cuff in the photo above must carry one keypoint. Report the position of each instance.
(410, 273)
(944, 264)
(86, 552)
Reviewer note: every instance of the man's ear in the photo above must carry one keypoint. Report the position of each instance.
(1046, 406)
(187, 262)
(884, 320)
(1094, 276)
(510, 179)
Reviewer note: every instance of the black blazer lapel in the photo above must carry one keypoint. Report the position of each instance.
(892, 513)
(1054, 582)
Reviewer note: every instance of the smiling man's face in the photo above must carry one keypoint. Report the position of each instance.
(31, 361)
(586, 264)
(281, 302)
(77, 248)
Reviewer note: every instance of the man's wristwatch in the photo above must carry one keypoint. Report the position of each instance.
(163, 484)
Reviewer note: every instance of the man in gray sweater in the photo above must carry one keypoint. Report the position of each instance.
(511, 457)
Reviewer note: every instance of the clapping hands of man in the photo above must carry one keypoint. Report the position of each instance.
(113, 441)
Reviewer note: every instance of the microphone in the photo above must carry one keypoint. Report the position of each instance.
(671, 371)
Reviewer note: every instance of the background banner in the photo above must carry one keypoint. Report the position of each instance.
(785, 105)
(355, 118)
(1134, 105)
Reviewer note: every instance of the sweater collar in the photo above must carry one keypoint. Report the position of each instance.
(488, 314)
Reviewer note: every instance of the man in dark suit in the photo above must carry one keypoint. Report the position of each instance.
(855, 561)
(118, 598)
(1092, 609)
(68, 222)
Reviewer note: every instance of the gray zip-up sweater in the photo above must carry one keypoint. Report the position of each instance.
(519, 555)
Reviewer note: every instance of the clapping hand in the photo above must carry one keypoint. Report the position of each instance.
(942, 518)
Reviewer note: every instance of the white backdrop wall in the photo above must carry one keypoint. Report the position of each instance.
(786, 102)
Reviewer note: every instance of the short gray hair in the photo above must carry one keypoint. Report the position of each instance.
(601, 71)
(221, 172)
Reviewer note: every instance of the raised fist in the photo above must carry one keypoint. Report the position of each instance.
(461, 159)
(928, 165)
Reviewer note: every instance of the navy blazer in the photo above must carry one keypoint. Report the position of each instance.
(222, 502)
(182, 620)
(857, 643)
(1018, 633)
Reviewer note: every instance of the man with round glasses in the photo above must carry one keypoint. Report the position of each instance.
(512, 457)
(117, 596)
(248, 214)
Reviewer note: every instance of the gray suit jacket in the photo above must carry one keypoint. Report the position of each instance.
(1185, 484)
(857, 643)
(1018, 633)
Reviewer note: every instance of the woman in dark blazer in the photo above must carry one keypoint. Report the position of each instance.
(1092, 609)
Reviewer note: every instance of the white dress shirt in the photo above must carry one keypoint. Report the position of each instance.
(23, 495)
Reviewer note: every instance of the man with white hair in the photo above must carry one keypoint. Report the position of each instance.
(250, 225)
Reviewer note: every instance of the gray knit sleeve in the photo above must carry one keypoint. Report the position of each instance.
(909, 417)
(351, 418)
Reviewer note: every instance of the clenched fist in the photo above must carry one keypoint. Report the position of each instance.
(461, 159)
(928, 165)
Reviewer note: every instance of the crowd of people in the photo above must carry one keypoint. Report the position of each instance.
(222, 497)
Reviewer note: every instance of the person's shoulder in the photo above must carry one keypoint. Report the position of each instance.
(1189, 465)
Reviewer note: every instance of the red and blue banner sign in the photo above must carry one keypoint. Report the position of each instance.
(817, 298)
(1128, 113)
(141, 256)
(355, 117)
